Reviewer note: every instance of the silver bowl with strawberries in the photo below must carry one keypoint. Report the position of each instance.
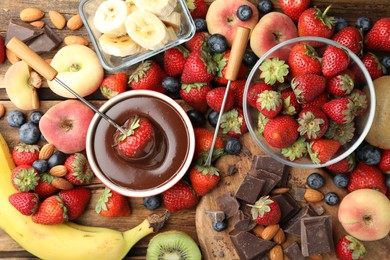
(305, 101)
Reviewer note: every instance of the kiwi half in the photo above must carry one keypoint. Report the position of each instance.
(173, 245)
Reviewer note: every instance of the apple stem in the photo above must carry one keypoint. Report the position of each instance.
(74, 68)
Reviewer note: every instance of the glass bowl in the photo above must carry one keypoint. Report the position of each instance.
(87, 10)
(251, 114)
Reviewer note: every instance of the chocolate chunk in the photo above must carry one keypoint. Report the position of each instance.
(293, 226)
(298, 193)
(250, 188)
(288, 206)
(271, 179)
(231, 170)
(45, 42)
(249, 246)
(293, 252)
(269, 164)
(319, 210)
(245, 224)
(228, 204)
(316, 235)
(21, 30)
(215, 215)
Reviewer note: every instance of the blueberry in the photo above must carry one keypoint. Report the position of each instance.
(364, 23)
(213, 118)
(16, 118)
(265, 6)
(219, 226)
(341, 180)
(386, 62)
(40, 165)
(217, 43)
(244, 12)
(315, 180)
(249, 59)
(200, 25)
(35, 117)
(152, 202)
(197, 118)
(388, 181)
(368, 153)
(171, 84)
(331, 198)
(340, 24)
(57, 158)
(29, 133)
(233, 145)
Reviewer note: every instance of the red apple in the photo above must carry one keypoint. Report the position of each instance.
(365, 214)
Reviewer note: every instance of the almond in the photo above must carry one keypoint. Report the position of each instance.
(74, 22)
(75, 39)
(2, 110)
(276, 253)
(258, 230)
(31, 14)
(46, 151)
(11, 56)
(62, 184)
(279, 237)
(39, 24)
(270, 231)
(279, 191)
(315, 257)
(57, 19)
(312, 195)
(58, 171)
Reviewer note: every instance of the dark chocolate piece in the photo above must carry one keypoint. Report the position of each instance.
(45, 42)
(245, 224)
(250, 188)
(293, 252)
(21, 30)
(293, 226)
(298, 193)
(288, 206)
(269, 164)
(316, 235)
(249, 246)
(215, 215)
(319, 210)
(271, 179)
(231, 170)
(228, 204)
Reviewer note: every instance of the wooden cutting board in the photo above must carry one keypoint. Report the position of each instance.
(217, 245)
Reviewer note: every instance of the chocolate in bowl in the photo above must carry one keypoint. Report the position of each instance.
(154, 174)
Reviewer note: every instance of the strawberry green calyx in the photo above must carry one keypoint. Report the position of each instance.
(81, 169)
(273, 70)
(311, 52)
(340, 132)
(134, 125)
(295, 151)
(288, 108)
(360, 101)
(261, 207)
(216, 154)
(27, 148)
(187, 87)
(221, 62)
(101, 204)
(230, 121)
(347, 83)
(313, 155)
(190, 4)
(261, 122)
(208, 60)
(26, 179)
(61, 204)
(328, 21)
(108, 93)
(310, 125)
(270, 99)
(140, 72)
(210, 170)
(357, 248)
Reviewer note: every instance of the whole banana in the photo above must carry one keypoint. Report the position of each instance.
(68, 240)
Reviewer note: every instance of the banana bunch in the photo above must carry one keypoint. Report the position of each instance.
(133, 26)
(68, 240)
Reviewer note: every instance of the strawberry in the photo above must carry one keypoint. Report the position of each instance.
(345, 165)
(24, 178)
(290, 102)
(197, 8)
(373, 65)
(334, 61)
(25, 202)
(148, 75)
(318, 102)
(360, 101)
(113, 85)
(215, 97)
(273, 70)
(140, 134)
(343, 133)
(44, 188)
(194, 94)
(179, 197)
(307, 87)
(314, 22)
(366, 176)
(322, 150)
(281, 131)
(199, 67)
(340, 85)
(222, 60)
(238, 87)
(349, 248)
(25, 154)
(112, 204)
(254, 91)
(204, 179)
(76, 201)
(384, 163)
(266, 211)
(174, 60)
(340, 110)
(303, 59)
(197, 41)
(78, 170)
(269, 103)
(203, 140)
(377, 39)
(294, 8)
(295, 151)
(52, 211)
(2, 50)
(313, 123)
(350, 37)
(233, 122)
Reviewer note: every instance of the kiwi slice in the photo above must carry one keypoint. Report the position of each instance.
(173, 245)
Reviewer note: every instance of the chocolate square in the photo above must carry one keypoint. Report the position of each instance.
(269, 164)
(228, 204)
(249, 189)
(293, 252)
(249, 246)
(271, 179)
(293, 226)
(288, 206)
(45, 42)
(21, 30)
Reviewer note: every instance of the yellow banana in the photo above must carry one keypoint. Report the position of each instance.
(68, 240)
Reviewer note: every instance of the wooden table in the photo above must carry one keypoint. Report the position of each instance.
(183, 220)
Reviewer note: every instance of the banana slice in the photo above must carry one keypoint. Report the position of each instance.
(119, 46)
(110, 17)
(174, 20)
(146, 29)
(158, 7)
(131, 5)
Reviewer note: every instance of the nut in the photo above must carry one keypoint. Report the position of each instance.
(279, 237)
(276, 253)
(39, 24)
(11, 56)
(57, 19)
(315, 257)
(2, 110)
(31, 14)
(279, 191)
(58, 171)
(270, 231)
(74, 22)
(62, 184)
(46, 151)
(312, 195)
(258, 230)
(75, 39)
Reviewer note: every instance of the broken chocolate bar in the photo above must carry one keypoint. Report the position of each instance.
(228, 204)
(288, 206)
(215, 215)
(293, 226)
(21, 30)
(269, 164)
(250, 188)
(45, 42)
(294, 252)
(271, 179)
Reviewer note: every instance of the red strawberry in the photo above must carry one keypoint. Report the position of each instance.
(360, 101)
(340, 110)
(269, 103)
(340, 85)
(266, 211)
(281, 131)
(25, 154)
(199, 67)
(313, 123)
(384, 163)
(349, 248)
(334, 61)
(79, 171)
(179, 197)
(366, 176)
(345, 165)
(204, 179)
(2, 50)
(254, 91)
(197, 41)
(174, 60)
(215, 97)
(273, 71)
(294, 8)
(303, 59)
(377, 39)
(113, 85)
(322, 150)
(76, 201)
(194, 94)
(343, 133)
(140, 135)
(25, 202)
(314, 22)
(295, 151)
(307, 87)
(44, 188)
(198, 8)
(148, 75)
(112, 204)
(24, 178)
(52, 211)
(290, 103)
(318, 102)
(203, 140)
(350, 37)
(233, 122)
(238, 87)
(373, 65)
(222, 60)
